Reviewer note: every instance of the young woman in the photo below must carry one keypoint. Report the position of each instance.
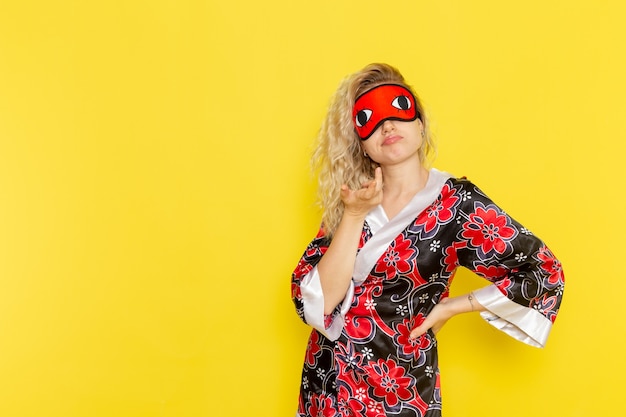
(374, 282)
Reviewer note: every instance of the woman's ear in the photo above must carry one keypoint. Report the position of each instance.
(421, 126)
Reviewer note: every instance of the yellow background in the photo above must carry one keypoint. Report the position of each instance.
(155, 193)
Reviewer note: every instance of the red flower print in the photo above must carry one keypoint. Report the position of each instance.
(491, 272)
(409, 348)
(546, 305)
(347, 404)
(348, 358)
(451, 260)
(390, 381)
(312, 252)
(551, 266)
(488, 229)
(438, 213)
(295, 291)
(398, 258)
(505, 285)
(313, 349)
(321, 406)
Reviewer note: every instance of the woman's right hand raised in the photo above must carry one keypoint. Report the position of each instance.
(337, 265)
(359, 202)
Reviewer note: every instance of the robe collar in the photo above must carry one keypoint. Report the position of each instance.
(384, 231)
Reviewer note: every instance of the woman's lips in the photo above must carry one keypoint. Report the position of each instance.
(392, 139)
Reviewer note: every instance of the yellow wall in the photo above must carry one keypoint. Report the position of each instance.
(155, 194)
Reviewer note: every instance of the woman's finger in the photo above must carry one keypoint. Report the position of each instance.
(378, 177)
(421, 329)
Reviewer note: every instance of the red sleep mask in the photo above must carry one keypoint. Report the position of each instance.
(383, 102)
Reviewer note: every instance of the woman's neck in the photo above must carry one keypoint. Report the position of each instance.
(400, 186)
(404, 180)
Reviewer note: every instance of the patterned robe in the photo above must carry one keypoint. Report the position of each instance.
(360, 360)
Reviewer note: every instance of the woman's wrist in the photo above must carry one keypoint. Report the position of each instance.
(461, 304)
(354, 214)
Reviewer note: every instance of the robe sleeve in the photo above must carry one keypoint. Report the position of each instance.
(306, 292)
(527, 280)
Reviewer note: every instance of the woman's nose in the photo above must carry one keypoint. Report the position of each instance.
(387, 126)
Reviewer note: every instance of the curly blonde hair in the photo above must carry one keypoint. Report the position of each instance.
(338, 157)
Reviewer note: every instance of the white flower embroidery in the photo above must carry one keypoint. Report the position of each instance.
(434, 245)
(559, 290)
(374, 406)
(360, 394)
(370, 304)
(429, 371)
(367, 352)
(321, 373)
(423, 298)
(433, 277)
(466, 195)
(520, 257)
(526, 231)
(352, 361)
(401, 310)
(305, 382)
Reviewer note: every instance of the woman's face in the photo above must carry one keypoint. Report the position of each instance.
(395, 142)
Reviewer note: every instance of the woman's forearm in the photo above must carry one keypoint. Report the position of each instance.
(337, 265)
(445, 310)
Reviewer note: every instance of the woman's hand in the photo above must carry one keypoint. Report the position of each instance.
(337, 265)
(438, 316)
(444, 311)
(359, 202)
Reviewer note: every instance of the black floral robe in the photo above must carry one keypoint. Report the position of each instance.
(360, 360)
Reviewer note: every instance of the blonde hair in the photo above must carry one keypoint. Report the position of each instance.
(338, 157)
